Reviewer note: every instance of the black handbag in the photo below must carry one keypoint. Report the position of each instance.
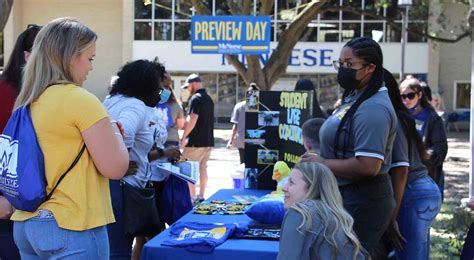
(140, 214)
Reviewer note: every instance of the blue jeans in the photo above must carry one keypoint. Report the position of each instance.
(420, 205)
(42, 238)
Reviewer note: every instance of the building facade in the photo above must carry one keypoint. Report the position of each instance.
(145, 29)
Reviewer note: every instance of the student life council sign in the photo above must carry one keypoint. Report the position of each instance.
(230, 34)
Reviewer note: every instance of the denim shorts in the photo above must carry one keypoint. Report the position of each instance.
(42, 238)
(420, 205)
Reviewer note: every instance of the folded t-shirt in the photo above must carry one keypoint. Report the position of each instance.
(202, 237)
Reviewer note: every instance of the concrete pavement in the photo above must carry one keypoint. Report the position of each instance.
(222, 164)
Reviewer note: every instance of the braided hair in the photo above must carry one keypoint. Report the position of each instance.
(404, 117)
(369, 51)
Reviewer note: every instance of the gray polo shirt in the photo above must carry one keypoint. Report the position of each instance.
(238, 118)
(401, 157)
(371, 132)
(135, 118)
(308, 245)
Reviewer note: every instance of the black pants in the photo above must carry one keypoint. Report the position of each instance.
(371, 204)
(8, 249)
(242, 155)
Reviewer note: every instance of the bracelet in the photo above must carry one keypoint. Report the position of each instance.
(113, 121)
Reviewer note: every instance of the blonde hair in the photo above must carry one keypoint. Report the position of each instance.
(440, 106)
(50, 61)
(323, 195)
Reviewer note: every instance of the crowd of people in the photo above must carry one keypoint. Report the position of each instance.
(387, 164)
(369, 185)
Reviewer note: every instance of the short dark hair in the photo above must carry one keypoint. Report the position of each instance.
(253, 87)
(13, 70)
(139, 79)
(311, 130)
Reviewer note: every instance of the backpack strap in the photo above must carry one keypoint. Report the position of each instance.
(68, 170)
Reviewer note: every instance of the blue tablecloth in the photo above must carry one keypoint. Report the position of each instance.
(239, 249)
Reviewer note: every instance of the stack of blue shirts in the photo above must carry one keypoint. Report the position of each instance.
(202, 237)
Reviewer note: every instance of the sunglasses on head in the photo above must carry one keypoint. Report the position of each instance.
(410, 96)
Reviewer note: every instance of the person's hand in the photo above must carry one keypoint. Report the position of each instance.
(132, 168)
(394, 237)
(230, 143)
(119, 126)
(121, 129)
(172, 152)
(6, 209)
(312, 157)
(184, 142)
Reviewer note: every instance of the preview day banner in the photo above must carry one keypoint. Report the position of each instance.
(273, 132)
(230, 34)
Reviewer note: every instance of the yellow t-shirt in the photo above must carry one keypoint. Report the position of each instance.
(82, 199)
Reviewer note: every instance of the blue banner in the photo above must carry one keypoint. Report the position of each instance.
(230, 34)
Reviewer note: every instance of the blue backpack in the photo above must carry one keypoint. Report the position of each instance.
(22, 172)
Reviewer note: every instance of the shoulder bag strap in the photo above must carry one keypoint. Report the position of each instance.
(68, 170)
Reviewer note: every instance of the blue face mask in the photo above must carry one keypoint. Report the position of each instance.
(164, 95)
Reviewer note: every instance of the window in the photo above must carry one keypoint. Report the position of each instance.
(373, 30)
(417, 26)
(462, 95)
(310, 34)
(182, 31)
(349, 31)
(163, 9)
(170, 20)
(329, 32)
(352, 5)
(142, 9)
(163, 31)
(183, 9)
(142, 31)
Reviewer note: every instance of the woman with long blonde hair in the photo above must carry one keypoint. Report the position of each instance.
(316, 225)
(68, 119)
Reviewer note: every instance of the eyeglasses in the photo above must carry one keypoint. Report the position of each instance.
(410, 96)
(345, 64)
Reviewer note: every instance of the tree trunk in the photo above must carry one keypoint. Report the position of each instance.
(278, 61)
(5, 8)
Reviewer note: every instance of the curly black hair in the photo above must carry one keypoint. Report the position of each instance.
(139, 79)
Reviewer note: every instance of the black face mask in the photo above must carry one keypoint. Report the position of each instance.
(346, 77)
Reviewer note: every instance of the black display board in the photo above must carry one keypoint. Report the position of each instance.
(273, 132)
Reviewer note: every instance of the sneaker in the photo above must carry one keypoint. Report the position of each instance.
(197, 200)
